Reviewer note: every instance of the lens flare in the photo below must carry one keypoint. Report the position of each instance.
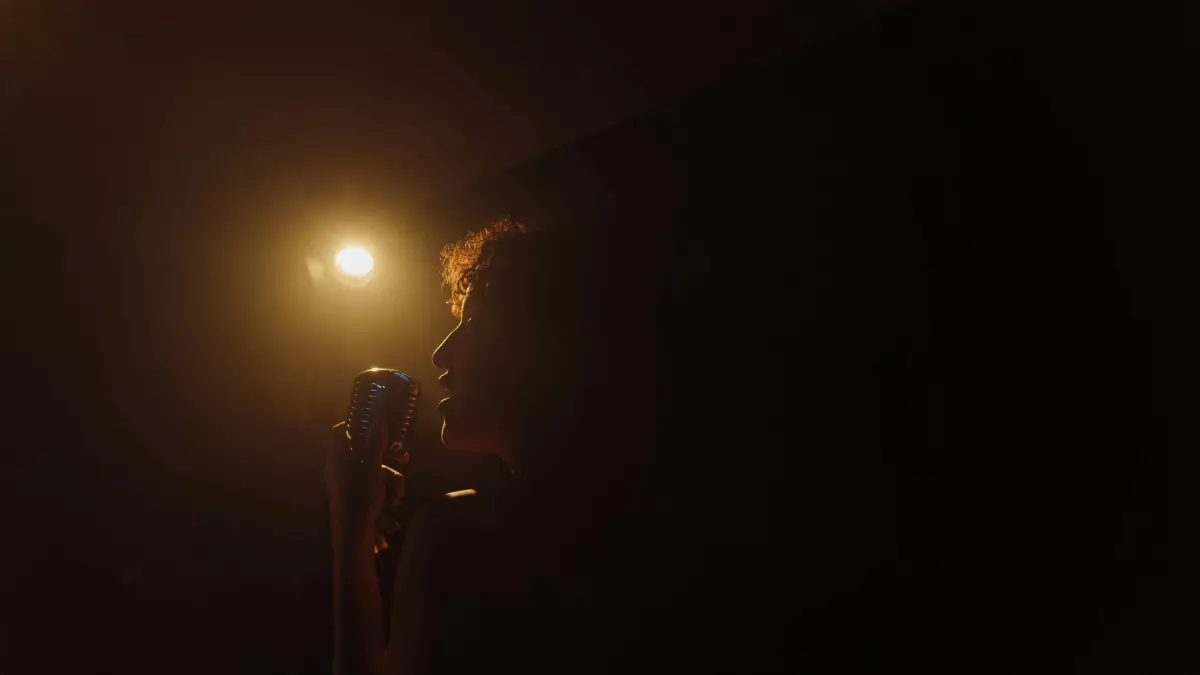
(354, 261)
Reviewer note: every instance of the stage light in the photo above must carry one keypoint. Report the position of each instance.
(354, 261)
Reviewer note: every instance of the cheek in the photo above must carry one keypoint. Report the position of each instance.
(496, 370)
(485, 384)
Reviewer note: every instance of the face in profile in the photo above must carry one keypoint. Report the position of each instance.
(483, 357)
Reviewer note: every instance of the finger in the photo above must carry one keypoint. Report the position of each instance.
(339, 439)
(393, 482)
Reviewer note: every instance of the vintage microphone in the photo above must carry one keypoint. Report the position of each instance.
(390, 395)
(382, 393)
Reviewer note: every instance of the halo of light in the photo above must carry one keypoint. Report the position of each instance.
(354, 261)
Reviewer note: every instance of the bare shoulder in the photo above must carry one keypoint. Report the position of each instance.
(459, 494)
(448, 510)
(448, 523)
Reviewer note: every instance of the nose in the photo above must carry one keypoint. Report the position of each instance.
(444, 351)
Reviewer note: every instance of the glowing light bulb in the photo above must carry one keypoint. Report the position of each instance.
(354, 261)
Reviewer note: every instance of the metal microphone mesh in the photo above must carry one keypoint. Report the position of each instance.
(382, 393)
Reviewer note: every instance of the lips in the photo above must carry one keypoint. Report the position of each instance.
(446, 383)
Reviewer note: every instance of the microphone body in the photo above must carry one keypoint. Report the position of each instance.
(382, 393)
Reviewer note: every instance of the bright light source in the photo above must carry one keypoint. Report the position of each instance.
(354, 261)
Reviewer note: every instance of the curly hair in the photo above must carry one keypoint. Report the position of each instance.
(463, 260)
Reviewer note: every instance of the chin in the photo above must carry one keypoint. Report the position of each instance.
(449, 437)
(453, 438)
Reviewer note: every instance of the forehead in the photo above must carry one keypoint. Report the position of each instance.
(485, 300)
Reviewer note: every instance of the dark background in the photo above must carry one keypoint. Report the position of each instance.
(926, 248)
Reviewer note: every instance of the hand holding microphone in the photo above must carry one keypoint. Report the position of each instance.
(362, 490)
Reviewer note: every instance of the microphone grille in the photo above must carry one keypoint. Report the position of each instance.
(386, 393)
